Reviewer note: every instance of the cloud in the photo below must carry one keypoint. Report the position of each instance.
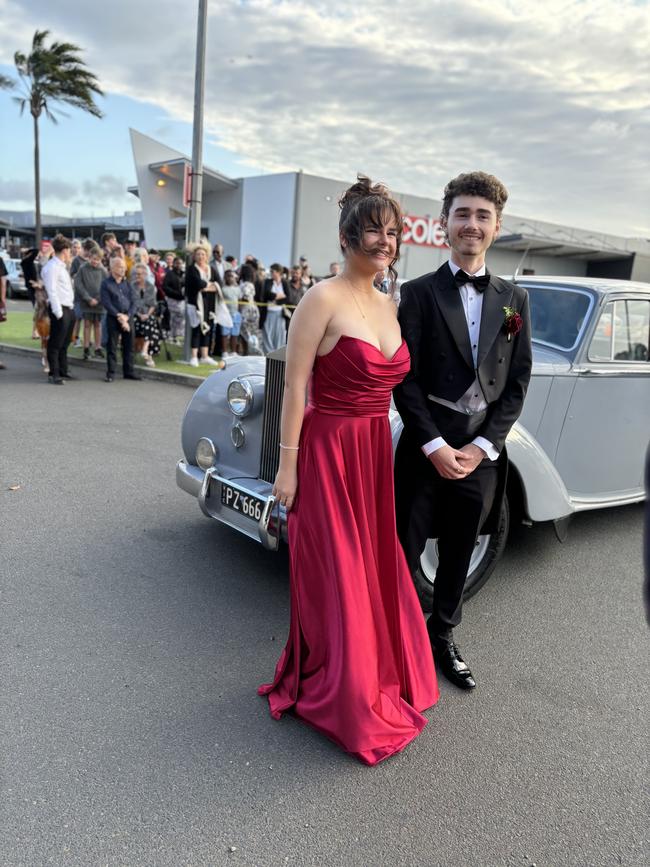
(550, 96)
(100, 194)
(23, 191)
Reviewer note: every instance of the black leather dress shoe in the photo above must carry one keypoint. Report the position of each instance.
(109, 377)
(55, 380)
(453, 666)
(133, 376)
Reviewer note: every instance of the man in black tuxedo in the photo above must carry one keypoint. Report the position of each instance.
(468, 333)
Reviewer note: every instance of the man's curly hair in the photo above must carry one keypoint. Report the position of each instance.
(475, 184)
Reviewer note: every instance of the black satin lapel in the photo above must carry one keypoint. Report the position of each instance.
(492, 318)
(451, 307)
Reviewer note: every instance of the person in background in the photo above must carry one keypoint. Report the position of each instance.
(129, 257)
(110, 246)
(250, 313)
(158, 271)
(78, 258)
(174, 289)
(231, 295)
(169, 262)
(308, 278)
(3, 296)
(335, 269)
(296, 286)
(60, 297)
(217, 263)
(260, 280)
(146, 325)
(201, 292)
(272, 317)
(30, 272)
(231, 263)
(118, 298)
(87, 285)
(141, 257)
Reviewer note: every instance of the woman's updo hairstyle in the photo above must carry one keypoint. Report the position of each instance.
(366, 204)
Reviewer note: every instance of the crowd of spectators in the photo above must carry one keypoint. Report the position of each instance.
(112, 295)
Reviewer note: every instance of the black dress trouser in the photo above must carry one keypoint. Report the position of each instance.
(58, 342)
(115, 333)
(453, 510)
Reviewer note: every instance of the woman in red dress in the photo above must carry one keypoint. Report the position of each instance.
(357, 665)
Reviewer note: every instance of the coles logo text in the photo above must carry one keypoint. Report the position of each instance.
(423, 231)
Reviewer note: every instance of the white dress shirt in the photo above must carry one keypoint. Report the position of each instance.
(473, 400)
(276, 289)
(58, 285)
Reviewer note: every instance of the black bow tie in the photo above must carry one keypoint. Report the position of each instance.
(479, 283)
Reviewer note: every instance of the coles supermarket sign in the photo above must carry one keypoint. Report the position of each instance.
(423, 231)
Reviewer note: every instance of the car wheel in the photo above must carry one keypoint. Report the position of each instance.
(485, 557)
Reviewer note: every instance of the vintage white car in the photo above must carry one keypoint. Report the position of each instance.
(579, 443)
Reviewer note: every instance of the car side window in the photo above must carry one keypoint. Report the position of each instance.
(631, 324)
(600, 348)
(623, 332)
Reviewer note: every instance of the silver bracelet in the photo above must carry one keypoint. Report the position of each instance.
(290, 448)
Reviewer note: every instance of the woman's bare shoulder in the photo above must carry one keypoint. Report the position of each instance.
(325, 293)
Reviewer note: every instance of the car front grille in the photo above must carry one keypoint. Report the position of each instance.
(273, 390)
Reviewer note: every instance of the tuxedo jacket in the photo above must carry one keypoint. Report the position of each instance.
(434, 326)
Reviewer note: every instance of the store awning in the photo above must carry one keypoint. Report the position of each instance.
(213, 182)
(559, 247)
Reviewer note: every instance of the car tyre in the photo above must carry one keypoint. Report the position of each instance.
(489, 551)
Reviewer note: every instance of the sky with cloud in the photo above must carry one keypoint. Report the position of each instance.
(552, 97)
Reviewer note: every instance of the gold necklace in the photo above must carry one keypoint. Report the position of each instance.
(356, 301)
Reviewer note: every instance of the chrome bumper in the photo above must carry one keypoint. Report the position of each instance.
(206, 487)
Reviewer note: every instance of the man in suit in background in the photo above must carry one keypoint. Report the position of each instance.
(468, 334)
(60, 297)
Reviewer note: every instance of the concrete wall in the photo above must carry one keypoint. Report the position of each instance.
(317, 222)
(221, 214)
(267, 222)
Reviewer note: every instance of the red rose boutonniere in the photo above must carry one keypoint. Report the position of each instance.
(513, 323)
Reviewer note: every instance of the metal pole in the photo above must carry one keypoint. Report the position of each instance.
(196, 197)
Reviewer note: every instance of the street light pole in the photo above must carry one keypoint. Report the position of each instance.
(196, 198)
(196, 175)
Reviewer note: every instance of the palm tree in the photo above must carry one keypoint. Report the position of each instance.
(49, 75)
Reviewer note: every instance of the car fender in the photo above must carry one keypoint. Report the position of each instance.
(545, 497)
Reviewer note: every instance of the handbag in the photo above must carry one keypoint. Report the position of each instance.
(222, 315)
(193, 315)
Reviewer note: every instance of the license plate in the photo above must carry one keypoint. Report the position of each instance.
(245, 504)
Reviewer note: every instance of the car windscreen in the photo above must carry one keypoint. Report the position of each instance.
(558, 315)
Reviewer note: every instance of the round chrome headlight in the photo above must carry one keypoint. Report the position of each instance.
(237, 435)
(240, 397)
(206, 453)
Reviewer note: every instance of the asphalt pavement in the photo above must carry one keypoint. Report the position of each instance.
(134, 633)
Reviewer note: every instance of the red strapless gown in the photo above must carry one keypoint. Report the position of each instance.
(357, 665)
